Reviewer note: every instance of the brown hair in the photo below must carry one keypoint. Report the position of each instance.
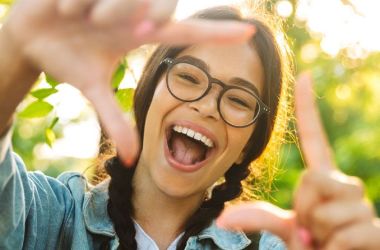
(263, 143)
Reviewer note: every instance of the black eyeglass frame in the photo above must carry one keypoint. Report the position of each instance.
(262, 107)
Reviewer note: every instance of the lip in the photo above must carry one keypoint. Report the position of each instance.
(194, 167)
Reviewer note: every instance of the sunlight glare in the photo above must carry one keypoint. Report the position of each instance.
(68, 102)
(343, 25)
(136, 64)
(3, 10)
(80, 140)
(309, 52)
(284, 8)
(343, 92)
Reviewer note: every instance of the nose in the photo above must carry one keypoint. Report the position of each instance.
(207, 106)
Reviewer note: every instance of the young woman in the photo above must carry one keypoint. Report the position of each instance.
(203, 114)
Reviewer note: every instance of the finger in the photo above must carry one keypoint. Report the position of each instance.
(329, 217)
(118, 126)
(317, 187)
(197, 31)
(358, 236)
(257, 216)
(314, 144)
(119, 12)
(161, 11)
(74, 8)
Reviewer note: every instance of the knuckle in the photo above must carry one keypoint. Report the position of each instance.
(357, 186)
(307, 179)
(318, 216)
(368, 211)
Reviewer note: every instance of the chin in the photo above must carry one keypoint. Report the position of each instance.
(176, 184)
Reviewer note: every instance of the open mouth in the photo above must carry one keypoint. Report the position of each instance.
(188, 147)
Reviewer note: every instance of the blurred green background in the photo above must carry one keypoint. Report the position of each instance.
(346, 74)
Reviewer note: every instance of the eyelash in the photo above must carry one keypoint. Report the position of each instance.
(188, 77)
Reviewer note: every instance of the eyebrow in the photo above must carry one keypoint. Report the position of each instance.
(197, 62)
(235, 80)
(244, 83)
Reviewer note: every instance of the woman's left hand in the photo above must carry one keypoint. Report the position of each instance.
(330, 210)
(332, 207)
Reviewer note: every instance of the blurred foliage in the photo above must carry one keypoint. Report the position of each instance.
(6, 2)
(348, 96)
(348, 93)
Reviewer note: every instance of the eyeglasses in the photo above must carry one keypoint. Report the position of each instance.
(237, 106)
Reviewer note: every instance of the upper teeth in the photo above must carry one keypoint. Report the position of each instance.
(195, 135)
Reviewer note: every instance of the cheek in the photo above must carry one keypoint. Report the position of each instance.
(238, 139)
(160, 102)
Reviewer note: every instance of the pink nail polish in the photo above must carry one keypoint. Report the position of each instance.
(219, 224)
(144, 28)
(305, 236)
(129, 162)
(251, 30)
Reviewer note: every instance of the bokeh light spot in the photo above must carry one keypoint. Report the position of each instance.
(343, 92)
(284, 8)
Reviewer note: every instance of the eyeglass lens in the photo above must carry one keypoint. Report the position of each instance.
(189, 83)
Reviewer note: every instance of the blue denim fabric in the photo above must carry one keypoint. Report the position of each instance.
(40, 212)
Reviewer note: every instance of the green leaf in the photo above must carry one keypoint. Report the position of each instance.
(36, 109)
(52, 82)
(118, 75)
(54, 122)
(50, 137)
(125, 98)
(43, 93)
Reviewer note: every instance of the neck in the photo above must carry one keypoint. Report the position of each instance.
(162, 216)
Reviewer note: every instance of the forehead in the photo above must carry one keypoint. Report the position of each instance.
(227, 62)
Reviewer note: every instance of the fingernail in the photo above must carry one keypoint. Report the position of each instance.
(129, 162)
(219, 223)
(144, 28)
(250, 30)
(305, 236)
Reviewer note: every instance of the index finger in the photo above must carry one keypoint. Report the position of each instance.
(118, 126)
(314, 144)
(200, 31)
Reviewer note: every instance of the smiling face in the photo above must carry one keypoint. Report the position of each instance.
(171, 161)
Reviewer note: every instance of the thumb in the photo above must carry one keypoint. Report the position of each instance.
(118, 126)
(257, 216)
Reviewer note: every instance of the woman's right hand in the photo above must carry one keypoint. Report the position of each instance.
(81, 41)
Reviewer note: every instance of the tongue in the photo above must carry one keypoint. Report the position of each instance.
(186, 150)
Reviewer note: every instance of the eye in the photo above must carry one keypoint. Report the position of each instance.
(239, 101)
(188, 77)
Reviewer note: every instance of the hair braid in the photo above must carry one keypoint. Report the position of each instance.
(120, 208)
(211, 208)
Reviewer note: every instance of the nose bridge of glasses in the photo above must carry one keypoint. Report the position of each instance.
(213, 91)
(216, 86)
(208, 102)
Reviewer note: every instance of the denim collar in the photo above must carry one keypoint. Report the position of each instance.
(98, 222)
(95, 210)
(224, 239)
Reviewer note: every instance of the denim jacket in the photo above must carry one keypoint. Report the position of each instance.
(41, 212)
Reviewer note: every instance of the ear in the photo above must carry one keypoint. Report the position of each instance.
(240, 158)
